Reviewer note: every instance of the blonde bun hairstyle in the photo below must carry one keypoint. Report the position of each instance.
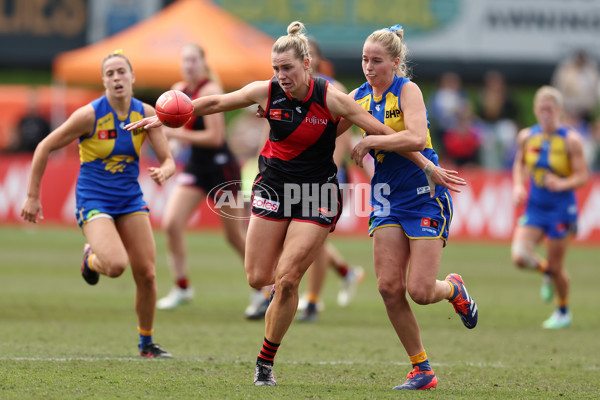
(295, 39)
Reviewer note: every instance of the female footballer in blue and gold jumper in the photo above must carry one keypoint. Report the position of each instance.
(410, 220)
(286, 232)
(550, 159)
(111, 210)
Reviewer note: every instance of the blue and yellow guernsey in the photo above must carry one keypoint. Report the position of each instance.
(546, 153)
(405, 181)
(108, 176)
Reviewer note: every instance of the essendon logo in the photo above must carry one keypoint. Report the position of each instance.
(107, 134)
(281, 115)
(429, 223)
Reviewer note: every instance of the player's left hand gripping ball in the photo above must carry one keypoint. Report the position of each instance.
(174, 108)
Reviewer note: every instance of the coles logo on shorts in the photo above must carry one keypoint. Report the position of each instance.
(265, 204)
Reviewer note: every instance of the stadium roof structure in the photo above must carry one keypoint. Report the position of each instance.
(236, 52)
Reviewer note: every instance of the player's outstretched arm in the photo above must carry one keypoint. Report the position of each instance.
(253, 93)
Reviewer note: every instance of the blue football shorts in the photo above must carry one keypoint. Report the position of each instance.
(556, 224)
(429, 220)
(86, 213)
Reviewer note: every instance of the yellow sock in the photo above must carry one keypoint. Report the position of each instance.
(145, 333)
(562, 302)
(543, 265)
(418, 358)
(451, 290)
(90, 261)
(312, 298)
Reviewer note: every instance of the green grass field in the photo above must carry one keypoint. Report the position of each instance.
(62, 339)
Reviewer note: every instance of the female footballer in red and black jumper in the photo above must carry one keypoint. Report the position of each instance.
(210, 164)
(110, 208)
(288, 226)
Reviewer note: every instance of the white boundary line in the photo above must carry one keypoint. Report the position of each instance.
(202, 360)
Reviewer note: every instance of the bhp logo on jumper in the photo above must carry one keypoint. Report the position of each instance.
(392, 113)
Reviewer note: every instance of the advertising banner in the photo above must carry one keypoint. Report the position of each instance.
(482, 211)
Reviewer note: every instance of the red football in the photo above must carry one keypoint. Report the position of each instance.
(174, 108)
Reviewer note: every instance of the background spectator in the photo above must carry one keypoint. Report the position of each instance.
(31, 129)
(446, 105)
(577, 79)
(462, 142)
(498, 113)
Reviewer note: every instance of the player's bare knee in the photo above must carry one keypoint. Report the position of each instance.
(256, 281)
(287, 284)
(115, 268)
(522, 257)
(171, 228)
(518, 261)
(421, 295)
(390, 291)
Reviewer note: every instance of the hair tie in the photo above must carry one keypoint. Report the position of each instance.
(394, 28)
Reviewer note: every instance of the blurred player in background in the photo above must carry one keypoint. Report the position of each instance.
(284, 236)
(550, 160)
(110, 209)
(210, 163)
(411, 218)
